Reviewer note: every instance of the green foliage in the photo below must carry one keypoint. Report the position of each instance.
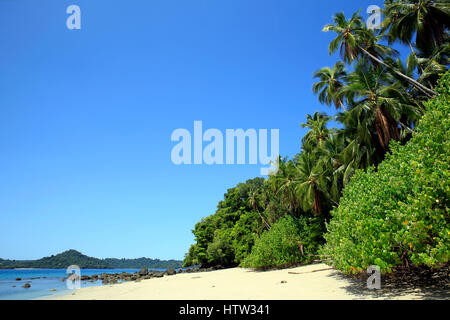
(289, 241)
(398, 214)
(227, 236)
(244, 235)
(394, 213)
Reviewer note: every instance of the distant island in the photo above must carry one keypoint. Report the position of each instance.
(73, 257)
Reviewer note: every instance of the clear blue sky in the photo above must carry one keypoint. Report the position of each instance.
(86, 115)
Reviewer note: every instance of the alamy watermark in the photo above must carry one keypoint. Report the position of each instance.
(214, 153)
(374, 279)
(74, 20)
(73, 281)
(374, 20)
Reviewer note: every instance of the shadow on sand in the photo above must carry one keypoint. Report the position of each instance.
(424, 284)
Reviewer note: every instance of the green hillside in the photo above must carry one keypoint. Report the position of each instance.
(73, 257)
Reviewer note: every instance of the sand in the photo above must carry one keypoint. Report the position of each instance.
(300, 283)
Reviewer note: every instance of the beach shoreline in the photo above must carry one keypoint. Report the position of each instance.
(310, 282)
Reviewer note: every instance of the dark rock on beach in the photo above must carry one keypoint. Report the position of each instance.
(158, 274)
(26, 285)
(143, 272)
(171, 272)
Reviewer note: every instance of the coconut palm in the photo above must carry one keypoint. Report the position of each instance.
(331, 80)
(434, 64)
(360, 150)
(377, 97)
(426, 19)
(354, 40)
(283, 184)
(255, 202)
(310, 184)
(318, 132)
(332, 159)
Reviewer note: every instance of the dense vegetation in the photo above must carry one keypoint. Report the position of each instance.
(73, 257)
(379, 100)
(286, 243)
(399, 213)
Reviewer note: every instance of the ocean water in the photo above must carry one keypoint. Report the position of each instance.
(11, 289)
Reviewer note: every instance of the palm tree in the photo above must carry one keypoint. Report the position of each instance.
(379, 98)
(254, 201)
(360, 149)
(332, 159)
(370, 42)
(354, 39)
(310, 183)
(331, 80)
(347, 36)
(318, 132)
(434, 64)
(426, 19)
(284, 183)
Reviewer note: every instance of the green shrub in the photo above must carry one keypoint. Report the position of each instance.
(399, 213)
(284, 243)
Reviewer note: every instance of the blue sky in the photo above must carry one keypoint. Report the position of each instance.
(86, 115)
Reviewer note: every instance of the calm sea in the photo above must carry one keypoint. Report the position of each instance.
(11, 289)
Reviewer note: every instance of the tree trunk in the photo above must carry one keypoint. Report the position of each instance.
(316, 205)
(430, 93)
(386, 127)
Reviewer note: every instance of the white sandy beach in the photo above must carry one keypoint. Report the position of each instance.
(243, 284)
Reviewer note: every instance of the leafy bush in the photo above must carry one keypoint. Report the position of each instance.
(289, 241)
(227, 236)
(398, 215)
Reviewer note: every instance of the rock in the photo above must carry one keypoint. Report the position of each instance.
(158, 274)
(171, 272)
(26, 285)
(283, 281)
(143, 272)
(85, 278)
(180, 271)
(18, 279)
(52, 290)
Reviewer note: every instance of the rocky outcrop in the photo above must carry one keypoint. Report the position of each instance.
(171, 272)
(142, 274)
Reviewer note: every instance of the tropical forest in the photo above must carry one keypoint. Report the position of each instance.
(373, 189)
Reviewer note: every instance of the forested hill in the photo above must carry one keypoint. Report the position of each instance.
(73, 257)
